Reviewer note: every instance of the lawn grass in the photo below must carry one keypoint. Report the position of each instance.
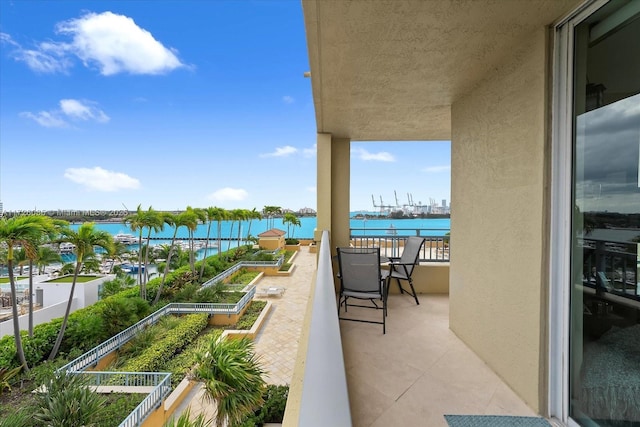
(69, 279)
(6, 279)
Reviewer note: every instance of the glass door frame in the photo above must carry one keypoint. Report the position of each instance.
(561, 209)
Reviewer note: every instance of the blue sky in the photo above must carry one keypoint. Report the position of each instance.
(105, 104)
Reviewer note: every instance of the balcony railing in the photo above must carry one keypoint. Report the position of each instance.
(231, 271)
(391, 241)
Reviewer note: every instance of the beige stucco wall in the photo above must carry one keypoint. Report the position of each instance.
(497, 223)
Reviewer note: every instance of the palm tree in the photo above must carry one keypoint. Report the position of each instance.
(200, 216)
(213, 213)
(270, 212)
(232, 376)
(136, 223)
(242, 215)
(153, 220)
(20, 230)
(184, 219)
(220, 215)
(85, 239)
(118, 255)
(20, 259)
(46, 256)
(252, 214)
(291, 220)
(232, 216)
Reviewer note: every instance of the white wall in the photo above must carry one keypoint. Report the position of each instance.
(55, 297)
(42, 315)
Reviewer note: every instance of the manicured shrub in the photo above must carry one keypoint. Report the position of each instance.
(250, 315)
(118, 314)
(160, 351)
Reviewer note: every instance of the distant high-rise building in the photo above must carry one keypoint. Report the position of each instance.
(1, 209)
(444, 203)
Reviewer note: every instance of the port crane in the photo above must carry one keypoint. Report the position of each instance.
(382, 206)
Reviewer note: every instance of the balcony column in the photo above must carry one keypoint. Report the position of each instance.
(333, 182)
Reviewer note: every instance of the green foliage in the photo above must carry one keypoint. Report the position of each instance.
(244, 277)
(118, 284)
(288, 255)
(137, 345)
(285, 266)
(119, 405)
(6, 375)
(118, 313)
(185, 420)
(84, 332)
(211, 294)
(250, 315)
(174, 341)
(272, 411)
(187, 293)
(263, 256)
(67, 403)
(45, 371)
(291, 241)
(183, 363)
(232, 377)
(17, 419)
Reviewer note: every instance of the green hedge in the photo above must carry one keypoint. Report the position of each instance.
(175, 340)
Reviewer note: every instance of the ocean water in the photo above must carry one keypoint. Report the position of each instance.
(369, 227)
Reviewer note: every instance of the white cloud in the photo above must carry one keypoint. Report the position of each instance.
(46, 58)
(113, 43)
(382, 156)
(310, 152)
(437, 169)
(228, 194)
(100, 179)
(116, 44)
(287, 150)
(46, 119)
(70, 109)
(82, 111)
(311, 189)
(288, 99)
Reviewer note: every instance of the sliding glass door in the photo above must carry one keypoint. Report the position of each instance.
(603, 384)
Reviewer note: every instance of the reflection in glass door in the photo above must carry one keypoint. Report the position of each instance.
(604, 348)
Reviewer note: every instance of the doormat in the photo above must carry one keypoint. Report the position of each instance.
(494, 421)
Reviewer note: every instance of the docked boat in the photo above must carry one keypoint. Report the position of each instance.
(131, 268)
(124, 238)
(66, 248)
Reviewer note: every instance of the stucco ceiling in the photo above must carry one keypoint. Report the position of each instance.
(390, 70)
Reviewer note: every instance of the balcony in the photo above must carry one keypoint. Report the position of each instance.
(419, 370)
(411, 376)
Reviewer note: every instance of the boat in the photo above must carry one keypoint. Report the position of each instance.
(124, 238)
(131, 268)
(67, 248)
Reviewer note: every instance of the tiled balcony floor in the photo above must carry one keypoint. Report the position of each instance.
(419, 371)
(411, 376)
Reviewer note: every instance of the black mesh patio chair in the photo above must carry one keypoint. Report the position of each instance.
(361, 278)
(401, 268)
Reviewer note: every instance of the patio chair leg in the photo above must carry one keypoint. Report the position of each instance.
(415, 296)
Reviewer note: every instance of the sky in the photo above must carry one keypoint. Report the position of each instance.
(106, 105)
